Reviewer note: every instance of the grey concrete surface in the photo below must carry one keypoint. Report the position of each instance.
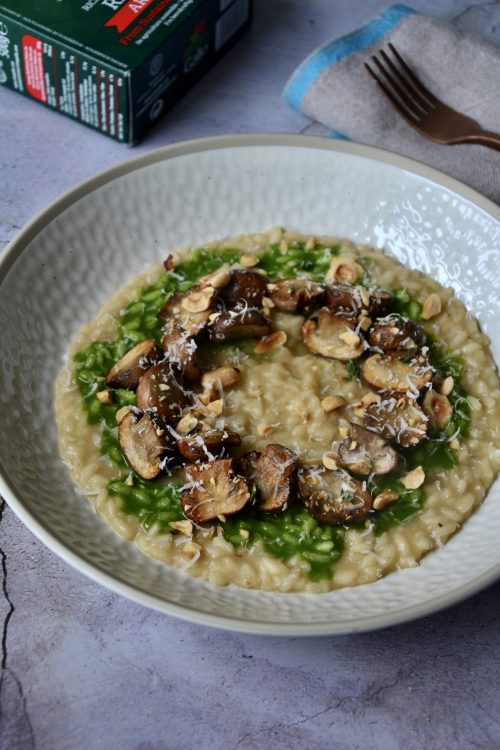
(84, 669)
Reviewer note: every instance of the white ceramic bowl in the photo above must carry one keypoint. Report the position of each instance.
(64, 265)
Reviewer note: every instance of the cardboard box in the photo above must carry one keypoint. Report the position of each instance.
(114, 65)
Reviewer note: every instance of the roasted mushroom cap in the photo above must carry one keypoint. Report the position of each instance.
(394, 333)
(438, 408)
(180, 351)
(333, 497)
(333, 335)
(246, 465)
(366, 453)
(275, 474)
(160, 392)
(175, 313)
(127, 372)
(213, 491)
(393, 373)
(244, 288)
(296, 295)
(398, 419)
(142, 444)
(239, 323)
(373, 302)
(200, 446)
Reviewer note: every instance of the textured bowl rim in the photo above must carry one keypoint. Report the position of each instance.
(17, 246)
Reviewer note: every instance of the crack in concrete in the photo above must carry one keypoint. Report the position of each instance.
(5, 670)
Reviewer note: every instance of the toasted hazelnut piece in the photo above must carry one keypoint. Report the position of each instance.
(214, 491)
(342, 297)
(129, 369)
(215, 407)
(432, 306)
(392, 373)
(310, 244)
(398, 419)
(438, 408)
(121, 413)
(191, 550)
(105, 397)
(326, 334)
(454, 444)
(180, 352)
(246, 466)
(330, 403)
(244, 288)
(183, 527)
(200, 446)
(333, 497)
(239, 323)
(186, 424)
(218, 278)
(275, 474)
(385, 498)
(414, 479)
(370, 398)
(249, 261)
(198, 299)
(270, 342)
(296, 295)
(143, 448)
(396, 333)
(447, 386)
(344, 270)
(174, 314)
(214, 381)
(159, 391)
(365, 453)
(365, 323)
(244, 533)
(329, 461)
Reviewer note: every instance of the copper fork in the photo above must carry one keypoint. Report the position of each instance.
(421, 109)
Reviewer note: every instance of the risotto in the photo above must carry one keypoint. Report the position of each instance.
(282, 412)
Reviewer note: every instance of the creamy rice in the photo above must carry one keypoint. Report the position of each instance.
(278, 400)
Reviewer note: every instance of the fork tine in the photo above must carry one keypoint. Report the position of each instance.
(409, 103)
(411, 75)
(397, 104)
(424, 105)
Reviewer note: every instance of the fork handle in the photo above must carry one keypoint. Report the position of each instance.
(483, 138)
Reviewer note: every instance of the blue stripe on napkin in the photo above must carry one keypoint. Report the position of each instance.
(338, 49)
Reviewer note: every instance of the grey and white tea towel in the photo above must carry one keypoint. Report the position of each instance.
(333, 88)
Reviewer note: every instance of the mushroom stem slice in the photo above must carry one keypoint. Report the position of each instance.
(244, 288)
(400, 420)
(203, 446)
(438, 408)
(365, 453)
(175, 314)
(297, 295)
(275, 474)
(127, 372)
(392, 373)
(333, 497)
(239, 323)
(213, 490)
(333, 335)
(141, 444)
(396, 333)
(160, 392)
(180, 351)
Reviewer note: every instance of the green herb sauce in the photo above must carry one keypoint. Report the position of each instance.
(294, 531)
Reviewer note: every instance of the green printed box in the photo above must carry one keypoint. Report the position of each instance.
(115, 65)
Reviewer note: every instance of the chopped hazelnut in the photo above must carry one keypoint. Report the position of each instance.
(330, 403)
(199, 299)
(329, 462)
(248, 261)
(384, 499)
(270, 342)
(186, 424)
(215, 407)
(121, 413)
(184, 527)
(414, 479)
(105, 397)
(447, 386)
(432, 306)
(191, 550)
